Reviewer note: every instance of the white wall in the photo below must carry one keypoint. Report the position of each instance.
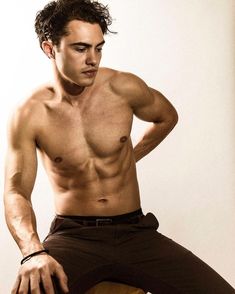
(185, 49)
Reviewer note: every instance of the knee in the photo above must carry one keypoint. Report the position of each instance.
(110, 287)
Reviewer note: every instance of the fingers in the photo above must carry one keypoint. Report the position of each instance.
(16, 286)
(38, 272)
(21, 286)
(62, 278)
(34, 284)
(47, 285)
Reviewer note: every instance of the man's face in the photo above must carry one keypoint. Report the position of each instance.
(78, 56)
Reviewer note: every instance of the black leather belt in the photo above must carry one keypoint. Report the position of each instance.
(108, 221)
(128, 218)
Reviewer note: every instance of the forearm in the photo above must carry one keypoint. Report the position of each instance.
(21, 222)
(153, 137)
(35, 273)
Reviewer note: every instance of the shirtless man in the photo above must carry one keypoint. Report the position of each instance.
(81, 126)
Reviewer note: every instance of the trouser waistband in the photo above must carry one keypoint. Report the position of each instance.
(131, 217)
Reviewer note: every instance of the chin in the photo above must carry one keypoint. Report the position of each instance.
(86, 83)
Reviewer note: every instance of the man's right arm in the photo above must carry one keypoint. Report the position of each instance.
(21, 167)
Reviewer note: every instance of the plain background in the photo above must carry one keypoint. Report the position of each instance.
(185, 49)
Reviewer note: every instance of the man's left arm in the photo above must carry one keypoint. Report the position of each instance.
(149, 105)
(152, 106)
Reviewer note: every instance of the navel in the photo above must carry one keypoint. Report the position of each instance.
(123, 139)
(58, 159)
(103, 200)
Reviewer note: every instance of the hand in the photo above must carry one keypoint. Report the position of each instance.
(38, 271)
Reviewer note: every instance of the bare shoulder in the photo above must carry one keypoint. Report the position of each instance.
(147, 103)
(34, 102)
(29, 112)
(122, 81)
(128, 85)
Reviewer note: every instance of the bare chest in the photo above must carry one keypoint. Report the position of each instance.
(98, 129)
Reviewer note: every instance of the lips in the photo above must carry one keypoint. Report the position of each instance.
(90, 73)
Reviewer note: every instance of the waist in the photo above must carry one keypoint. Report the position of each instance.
(127, 218)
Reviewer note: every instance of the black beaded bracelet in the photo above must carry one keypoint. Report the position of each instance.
(26, 258)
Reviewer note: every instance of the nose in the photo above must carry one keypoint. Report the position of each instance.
(91, 58)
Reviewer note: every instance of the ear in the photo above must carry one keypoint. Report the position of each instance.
(47, 47)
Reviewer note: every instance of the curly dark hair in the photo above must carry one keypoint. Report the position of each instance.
(51, 21)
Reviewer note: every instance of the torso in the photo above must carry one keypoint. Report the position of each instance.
(87, 151)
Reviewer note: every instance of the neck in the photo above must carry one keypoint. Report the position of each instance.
(67, 90)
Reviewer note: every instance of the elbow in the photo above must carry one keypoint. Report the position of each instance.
(172, 118)
(175, 117)
(169, 118)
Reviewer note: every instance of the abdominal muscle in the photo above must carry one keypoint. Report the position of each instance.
(98, 188)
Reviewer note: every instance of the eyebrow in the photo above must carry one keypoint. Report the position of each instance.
(86, 44)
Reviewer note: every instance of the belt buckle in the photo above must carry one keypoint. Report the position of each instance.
(103, 221)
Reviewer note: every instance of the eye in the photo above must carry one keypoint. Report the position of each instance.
(80, 49)
(99, 49)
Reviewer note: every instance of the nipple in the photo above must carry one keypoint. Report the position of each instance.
(123, 139)
(58, 159)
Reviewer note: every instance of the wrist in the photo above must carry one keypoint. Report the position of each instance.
(31, 246)
(29, 256)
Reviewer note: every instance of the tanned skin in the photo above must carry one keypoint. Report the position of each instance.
(81, 126)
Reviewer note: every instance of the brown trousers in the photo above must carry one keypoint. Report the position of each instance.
(131, 251)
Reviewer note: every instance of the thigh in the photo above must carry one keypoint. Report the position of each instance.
(181, 269)
(164, 266)
(83, 252)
